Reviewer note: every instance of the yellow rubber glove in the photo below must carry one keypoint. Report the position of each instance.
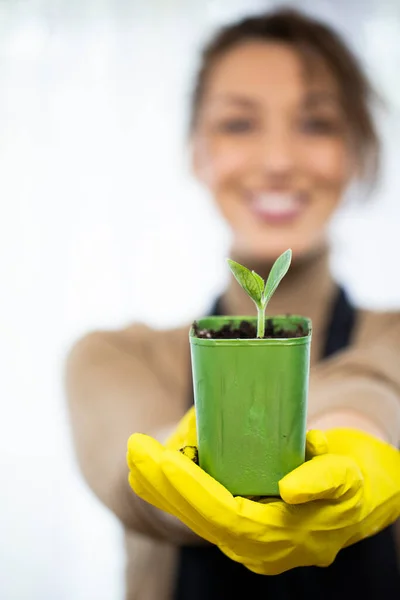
(349, 490)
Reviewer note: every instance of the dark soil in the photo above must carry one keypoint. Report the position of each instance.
(247, 330)
(191, 452)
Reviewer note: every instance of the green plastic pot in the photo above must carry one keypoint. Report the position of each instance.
(251, 405)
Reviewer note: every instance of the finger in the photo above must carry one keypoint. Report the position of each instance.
(144, 454)
(268, 567)
(238, 520)
(316, 443)
(271, 564)
(147, 492)
(267, 561)
(185, 433)
(212, 500)
(244, 560)
(261, 568)
(141, 447)
(329, 476)
(149, 483)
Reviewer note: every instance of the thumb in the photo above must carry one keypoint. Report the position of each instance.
(316, 443)
(185, 433)
(328, 477)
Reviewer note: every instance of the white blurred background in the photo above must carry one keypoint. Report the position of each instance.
(101, 225)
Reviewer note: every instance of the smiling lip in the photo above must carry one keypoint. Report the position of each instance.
(277, 207)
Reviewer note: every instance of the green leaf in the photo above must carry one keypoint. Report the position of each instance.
(277, 273)
(247, 280)
(259, 280)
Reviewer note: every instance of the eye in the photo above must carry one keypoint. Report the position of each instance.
(236, 125)
(319, 125)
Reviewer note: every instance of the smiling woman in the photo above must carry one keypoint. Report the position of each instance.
(281, 125)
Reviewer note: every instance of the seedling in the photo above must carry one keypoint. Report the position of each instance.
(259, 291)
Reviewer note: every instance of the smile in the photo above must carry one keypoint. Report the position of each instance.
(277, 207)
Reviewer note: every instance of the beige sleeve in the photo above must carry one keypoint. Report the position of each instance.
(365, 378)
(112, 392)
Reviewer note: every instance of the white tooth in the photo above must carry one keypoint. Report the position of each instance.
(276, 202)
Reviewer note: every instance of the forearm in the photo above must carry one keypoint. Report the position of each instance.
(112, 394)
(359, 402)
(348, 418)
(360, 387)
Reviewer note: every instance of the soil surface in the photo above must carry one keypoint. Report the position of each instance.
(247, 330)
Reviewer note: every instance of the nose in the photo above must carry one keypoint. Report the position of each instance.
(277, 154)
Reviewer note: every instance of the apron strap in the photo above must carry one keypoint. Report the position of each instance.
(341, 325)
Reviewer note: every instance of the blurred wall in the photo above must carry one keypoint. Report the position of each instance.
(99, 214)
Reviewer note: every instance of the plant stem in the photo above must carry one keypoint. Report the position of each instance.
(260, 321)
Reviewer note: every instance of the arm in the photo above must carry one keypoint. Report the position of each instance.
(112, 392)
(360, 387)
(348, 418)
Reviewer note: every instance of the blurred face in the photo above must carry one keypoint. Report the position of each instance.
(272, 147)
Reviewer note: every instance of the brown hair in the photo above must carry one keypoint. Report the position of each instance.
(313, 40)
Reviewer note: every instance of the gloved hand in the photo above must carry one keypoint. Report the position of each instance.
(348, 490)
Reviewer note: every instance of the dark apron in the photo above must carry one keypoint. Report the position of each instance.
(366, 570)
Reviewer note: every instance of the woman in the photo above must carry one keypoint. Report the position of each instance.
(281, 125)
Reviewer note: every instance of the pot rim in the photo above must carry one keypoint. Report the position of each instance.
(297, 341)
